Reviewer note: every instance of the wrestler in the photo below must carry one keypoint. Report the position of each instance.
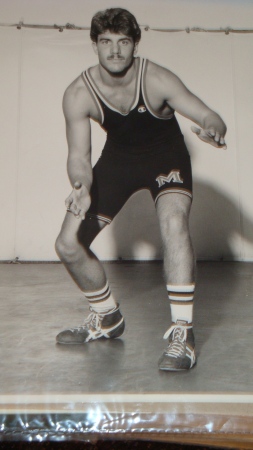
(134, 100)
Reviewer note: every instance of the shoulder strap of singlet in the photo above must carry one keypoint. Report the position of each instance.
(100, 98)
(144, 94)
(87, 81)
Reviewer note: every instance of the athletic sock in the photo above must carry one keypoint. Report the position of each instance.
(101, 300)
(181, 302)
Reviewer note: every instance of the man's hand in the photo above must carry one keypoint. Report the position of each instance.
(78, 202)
(211, 136)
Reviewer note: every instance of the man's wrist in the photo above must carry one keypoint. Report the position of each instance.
(78, 185)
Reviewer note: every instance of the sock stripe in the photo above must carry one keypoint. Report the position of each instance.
(181, 293)
(98, 295)
(103, 299)
(181, 287)
(180, 297)
(181, 302)
(99, 292)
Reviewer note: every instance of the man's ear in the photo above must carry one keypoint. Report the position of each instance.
(135, 48)
(94, 46)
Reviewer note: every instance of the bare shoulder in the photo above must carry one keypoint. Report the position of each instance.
(162, 77)
(76, 99)
(156, 70)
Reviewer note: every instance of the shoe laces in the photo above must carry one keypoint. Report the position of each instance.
(93, 320)
(176, 347)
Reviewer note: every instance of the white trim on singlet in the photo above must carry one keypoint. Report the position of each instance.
(106, 102)
(173, 191)
(99, 216)
(157, 116)
(93, 95)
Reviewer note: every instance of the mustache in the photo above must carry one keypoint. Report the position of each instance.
(121, 58)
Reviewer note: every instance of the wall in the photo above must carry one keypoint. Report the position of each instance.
(37, 65)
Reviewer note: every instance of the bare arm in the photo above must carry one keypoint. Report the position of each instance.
(178, 97)
(79, 150)
(213, 129)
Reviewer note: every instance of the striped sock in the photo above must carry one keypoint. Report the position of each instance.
(181, 301)
(101, 300)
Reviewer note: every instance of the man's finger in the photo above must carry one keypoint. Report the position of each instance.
(196, 130)
(211, 132)
(217, 137)
(77, 214)
(223, 144)
(71, 209)
(220, 141)
(68, 202)
(82, 214)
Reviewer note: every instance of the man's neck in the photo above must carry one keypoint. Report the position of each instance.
(118, 79)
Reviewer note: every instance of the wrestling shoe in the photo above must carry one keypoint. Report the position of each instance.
(180, 353)
(97, 325)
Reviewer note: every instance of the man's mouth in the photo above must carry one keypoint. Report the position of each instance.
(117, 58)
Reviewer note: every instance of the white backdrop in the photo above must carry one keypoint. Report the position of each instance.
(37, 65)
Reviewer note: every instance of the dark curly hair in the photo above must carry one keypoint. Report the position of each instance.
(115, 20)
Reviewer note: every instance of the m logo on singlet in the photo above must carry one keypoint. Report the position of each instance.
(142, 109)
(173, 177)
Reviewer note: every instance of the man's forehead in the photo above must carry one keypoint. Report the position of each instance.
(108, 34)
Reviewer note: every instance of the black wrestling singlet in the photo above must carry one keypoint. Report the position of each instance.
(140, 130)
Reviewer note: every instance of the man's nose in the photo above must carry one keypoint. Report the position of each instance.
(115, 48)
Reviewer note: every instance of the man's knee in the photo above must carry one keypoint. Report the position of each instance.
(75, 238)
(173, 214)
(175, 223)
(66, 249)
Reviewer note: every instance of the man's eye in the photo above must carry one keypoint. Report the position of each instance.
(124, 42)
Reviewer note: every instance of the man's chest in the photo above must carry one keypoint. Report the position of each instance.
(120, 98)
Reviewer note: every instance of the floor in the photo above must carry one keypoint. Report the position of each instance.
(39, 300)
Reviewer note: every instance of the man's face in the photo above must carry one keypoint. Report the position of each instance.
(115, 51)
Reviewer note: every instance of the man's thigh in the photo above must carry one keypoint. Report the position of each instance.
(115, 179)
(171, 171)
